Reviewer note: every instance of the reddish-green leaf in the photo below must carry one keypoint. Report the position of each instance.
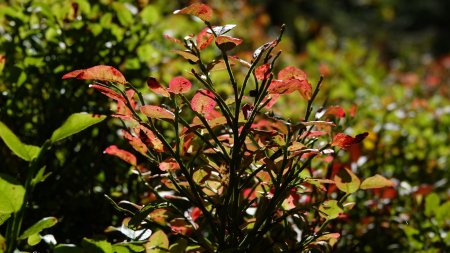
(347, 181)
(203, 102)
(376, 181)
(100, 72)
(179, 85)
(156, 87)
(157, 112)
(226, 43)
(157, 243)
(169, 164)
(202, 11)
(174, 40)
(122, 154)
(180, 226)
(345, 141)
(204, 39)
(330, 209)
(263, 72)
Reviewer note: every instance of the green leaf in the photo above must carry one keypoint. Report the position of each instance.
(67, 248)
(34, 239)
(127, 247)
(330, 209)
(376, 181)
(74, 124)
(40, 176)
(39, 226)
(12, 195)
(347, 181)
(431, 204)
(4, 217)
(96, 246)
(442, 213)
(150, 15)
(157, 243)
(123, 14)
(24, 151)
(141, 215)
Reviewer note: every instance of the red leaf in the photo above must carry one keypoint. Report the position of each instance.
(122, 108)
(202, 11)
(180, 226)
(156, 87)
(226, 43)
(174, 40)
(204, 38)
(149, 138)
(157, 112)
(203, 102)
(281, 87)
(169, 165)
(196, 213)
(179, 85)
(108, 92)
(247, 110)
(291, 72)
(345, 141)
(122, 154)
(263, 72)
(100, 72)
(336, 111)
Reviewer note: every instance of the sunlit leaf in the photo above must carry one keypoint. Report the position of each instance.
(203, 102)
(135, 142)
(347, 181)
(226, 43)
(169, 164)
(2, 62)
(122, 154)
(180, 226)
(157, 243)
(179, 85)
(100, 72)
(330, 209)
(150, 139)
(376, 181)
(75, 123)
(220, 30)
(157, 112)
(34, 239)
(24, 151)
(11, 195)
(264, 47)
(44, 223)
(96, 246)
(291, 72)
(202, 11)
(432, 202)
(156, 87)
(174, 40)
(335, 111)
(67, 248)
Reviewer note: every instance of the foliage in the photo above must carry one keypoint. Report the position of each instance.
(240, 178)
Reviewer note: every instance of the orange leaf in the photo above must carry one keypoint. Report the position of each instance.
(122, 154)
(202, 11)
(156, 87)
(149, 138)
(135, 142)
(336, 111)
(169, 165)
(179, 85)
(204, 38)
(345, 141)
(157, 112)
(291, 72)
(100, 72)
(263, 72)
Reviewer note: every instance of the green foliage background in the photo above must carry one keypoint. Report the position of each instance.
(388, 57)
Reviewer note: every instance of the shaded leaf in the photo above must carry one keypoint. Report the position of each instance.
(202, 11)
(67, 248)
(432, 202)
(156, 87)
(135, 142)
(122, 154)
(347, 181)
(157, 112)
(100, 72)
(376, 181)
(108, 92)
(24, 151)
(169, 164)
(180, 226)
(96, 246)
(203, 102)
(186, 55)
(150, 138)
(179, 85)
(174, 40)
(75, 123)
(12, 195)
(44, 223)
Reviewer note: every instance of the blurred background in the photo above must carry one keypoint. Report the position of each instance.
(390, 59)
